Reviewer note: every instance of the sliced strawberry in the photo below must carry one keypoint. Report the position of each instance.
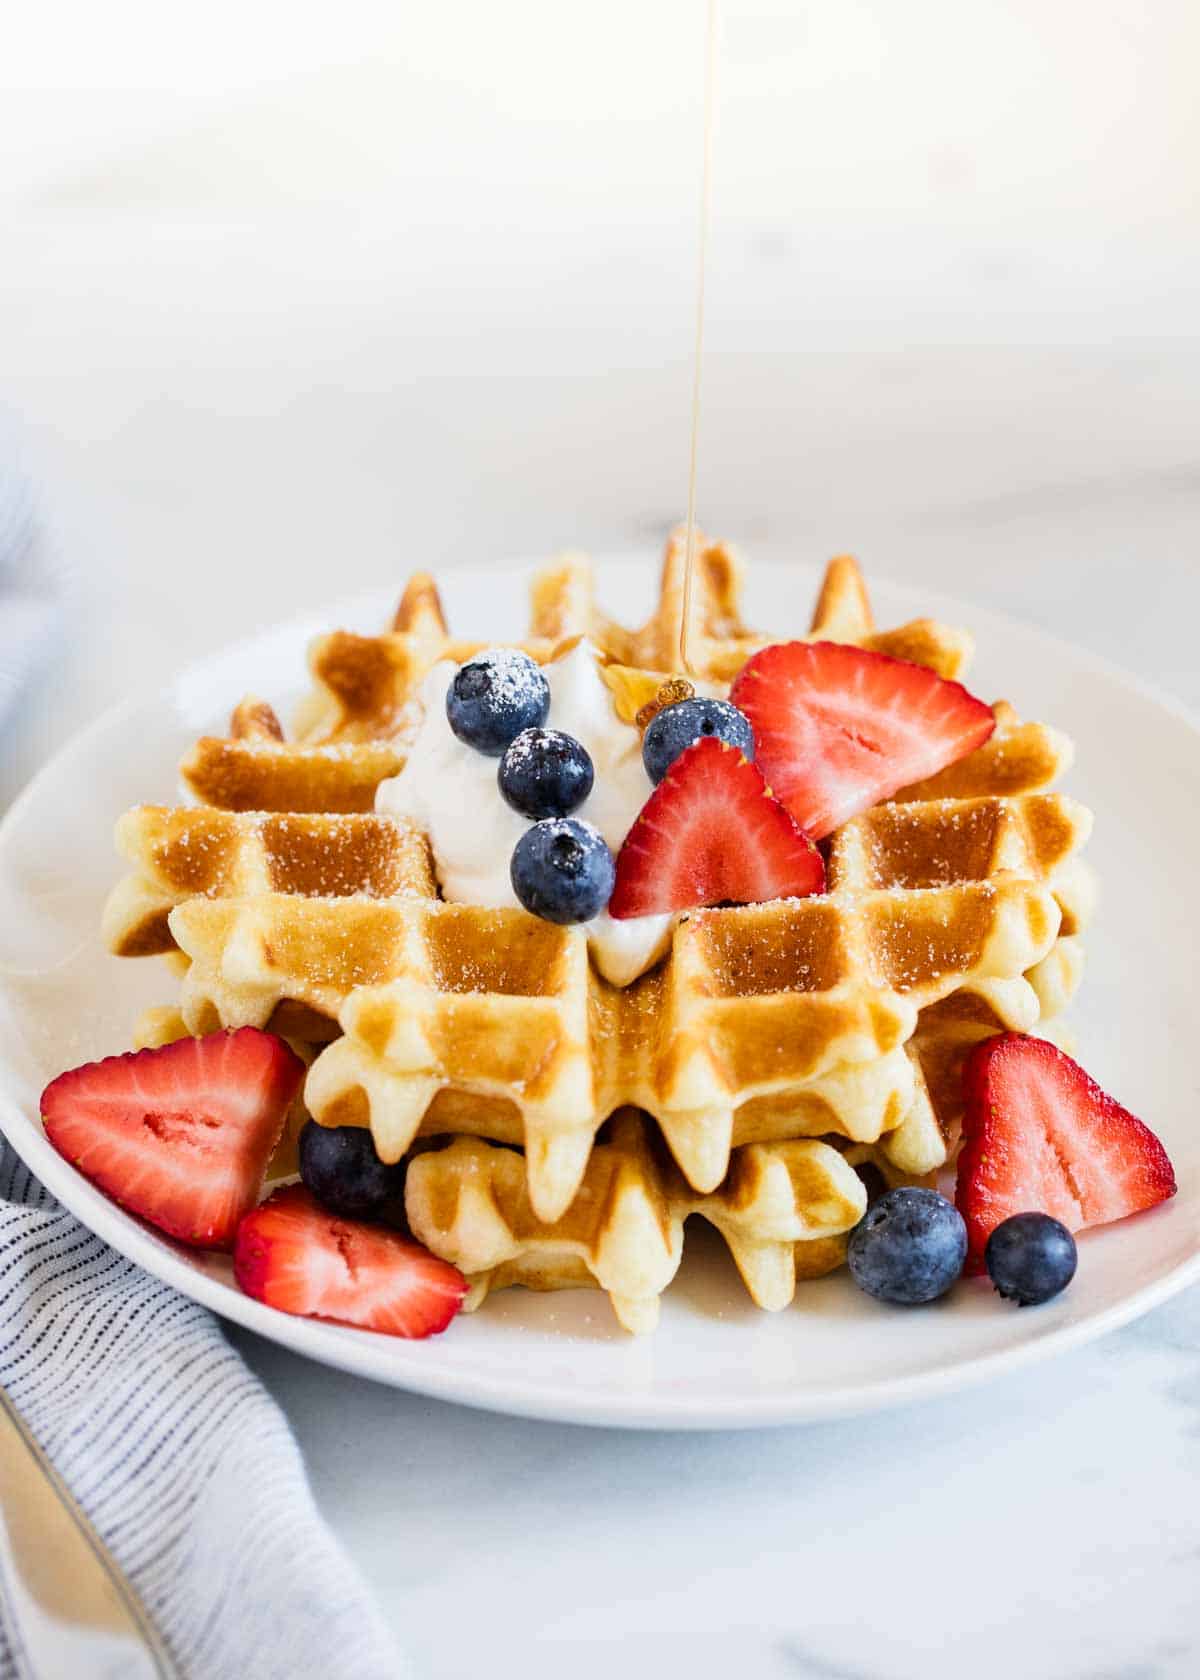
(1040, 1136)
(180, 1135)
(837, 728)
(296, 1256)
(712, 833)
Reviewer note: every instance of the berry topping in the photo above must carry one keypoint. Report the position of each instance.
(839, 728)
(545, 773)
(1039, 1135)
(712, 833)
(340, 1167)
(180, 1135)
(562, 870)
(295, 1256)
(494, 696)
(909, 1248)
(676, 727)
(1030, 1258)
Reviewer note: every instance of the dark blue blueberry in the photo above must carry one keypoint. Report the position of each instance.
(1030, 1258)
(909, 1248)
(494, 696)
(545, 773)
(562, 870)
(339, 1165)
(679, 726)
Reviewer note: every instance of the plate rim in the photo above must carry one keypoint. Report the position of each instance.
(359, 1352)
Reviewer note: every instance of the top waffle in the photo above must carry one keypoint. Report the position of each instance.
(770, 1021)
(784, 1211)
(350, 730)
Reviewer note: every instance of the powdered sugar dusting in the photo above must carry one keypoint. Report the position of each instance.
(450, 791)
(516, 679)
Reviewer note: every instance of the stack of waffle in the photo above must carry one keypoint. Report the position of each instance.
(563, 1129)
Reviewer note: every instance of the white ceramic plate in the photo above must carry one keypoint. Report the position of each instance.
(716, 1361)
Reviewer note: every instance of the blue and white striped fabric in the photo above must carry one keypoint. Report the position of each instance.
(178, 1455)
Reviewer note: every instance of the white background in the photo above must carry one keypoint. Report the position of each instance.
(296, 298)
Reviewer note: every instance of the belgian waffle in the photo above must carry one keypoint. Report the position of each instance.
(787, 1015)
(767, 1022)
(773, 1020)
(783, 1209)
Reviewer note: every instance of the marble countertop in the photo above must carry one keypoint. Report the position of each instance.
(238, 412)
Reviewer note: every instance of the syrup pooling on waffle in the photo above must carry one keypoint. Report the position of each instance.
(783, 1210)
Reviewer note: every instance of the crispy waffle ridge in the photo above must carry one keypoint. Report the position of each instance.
(783, 1209)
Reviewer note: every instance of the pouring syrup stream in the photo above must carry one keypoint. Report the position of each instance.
(710, 65)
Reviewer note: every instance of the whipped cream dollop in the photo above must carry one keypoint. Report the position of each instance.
(450, 790)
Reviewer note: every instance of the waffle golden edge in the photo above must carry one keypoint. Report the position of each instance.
(565, 945)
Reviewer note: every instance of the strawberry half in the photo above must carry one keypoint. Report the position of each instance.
(297, 1257)
(1040, 1136)
(180, 1135)
(712, 832)
(837, 728)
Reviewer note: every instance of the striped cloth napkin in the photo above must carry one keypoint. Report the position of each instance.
(184, 1464)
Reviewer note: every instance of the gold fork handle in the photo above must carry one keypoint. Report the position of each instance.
(72, 1614)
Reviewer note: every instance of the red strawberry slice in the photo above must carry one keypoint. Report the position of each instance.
(712, 833)
(1040, 1136)
(180, 1135)
(837, 728)
(297, 1257)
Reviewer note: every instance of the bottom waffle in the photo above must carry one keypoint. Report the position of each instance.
(784, 1210)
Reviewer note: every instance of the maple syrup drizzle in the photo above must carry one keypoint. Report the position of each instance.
(689, 557)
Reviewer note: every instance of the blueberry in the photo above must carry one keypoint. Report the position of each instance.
(909, 1248)
(339, 1165)
(562, 870)
(545, 773)
(494, 696)
(1030, 1258)
(687, 721)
